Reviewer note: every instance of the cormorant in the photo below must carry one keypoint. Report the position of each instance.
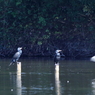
(57, 56)
(16, 56)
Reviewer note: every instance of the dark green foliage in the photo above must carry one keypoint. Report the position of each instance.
(41, 26)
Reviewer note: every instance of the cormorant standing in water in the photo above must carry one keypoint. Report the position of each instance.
(16, 56)
(57, 56)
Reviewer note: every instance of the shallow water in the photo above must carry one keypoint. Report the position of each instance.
(39, 76)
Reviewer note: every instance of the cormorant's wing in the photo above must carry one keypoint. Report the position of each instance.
(16, 55)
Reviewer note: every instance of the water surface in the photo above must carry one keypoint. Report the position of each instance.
(39, 76)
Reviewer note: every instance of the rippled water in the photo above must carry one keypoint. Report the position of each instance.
(39, 76)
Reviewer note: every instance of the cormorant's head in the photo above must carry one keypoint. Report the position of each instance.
(58, 51)
(19, 48)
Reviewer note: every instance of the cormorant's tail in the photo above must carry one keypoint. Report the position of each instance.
(10, 63)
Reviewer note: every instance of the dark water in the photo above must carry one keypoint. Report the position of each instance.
(39, 76)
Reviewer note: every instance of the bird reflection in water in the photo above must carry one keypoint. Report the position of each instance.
(57, 81)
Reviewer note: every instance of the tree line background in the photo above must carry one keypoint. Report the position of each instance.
(42, 26)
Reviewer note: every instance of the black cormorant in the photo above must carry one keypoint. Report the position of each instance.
(16, 56)
(57, 56)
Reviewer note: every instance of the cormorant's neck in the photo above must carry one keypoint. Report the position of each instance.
(57, 53)
(20, 51)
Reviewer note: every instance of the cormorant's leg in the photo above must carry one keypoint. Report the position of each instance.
(17, 62)
(13, 63)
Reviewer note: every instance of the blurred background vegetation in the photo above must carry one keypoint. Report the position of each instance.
(41, 26)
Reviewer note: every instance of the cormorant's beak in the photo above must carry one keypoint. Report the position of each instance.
(59, 50)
